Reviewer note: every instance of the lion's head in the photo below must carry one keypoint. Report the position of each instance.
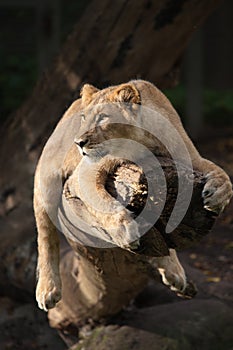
(116, 114)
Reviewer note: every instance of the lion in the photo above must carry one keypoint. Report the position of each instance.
(80, 146)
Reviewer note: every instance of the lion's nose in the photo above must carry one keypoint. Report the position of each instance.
(81, 142)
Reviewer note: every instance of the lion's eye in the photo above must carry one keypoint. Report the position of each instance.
(101, 118)
(83, 117)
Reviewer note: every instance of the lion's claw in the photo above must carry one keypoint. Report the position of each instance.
(189, 292)
(217, 192)
(47, 297)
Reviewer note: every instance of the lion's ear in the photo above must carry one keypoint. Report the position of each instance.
(87, 93)
(125, 93)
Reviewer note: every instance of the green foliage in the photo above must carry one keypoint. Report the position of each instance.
(217, 105)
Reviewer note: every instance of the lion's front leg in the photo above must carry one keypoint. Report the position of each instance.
(217, 191)
(48, 290)
(173, 275)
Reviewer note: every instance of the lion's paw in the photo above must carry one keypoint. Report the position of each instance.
(48, 293)
(176, 280)
(217, 192)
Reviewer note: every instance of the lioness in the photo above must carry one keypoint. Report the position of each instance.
(102, 115)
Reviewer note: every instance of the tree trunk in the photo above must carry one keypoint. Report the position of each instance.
(113, 42)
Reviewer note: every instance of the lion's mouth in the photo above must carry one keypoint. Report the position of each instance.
(84, 153)
(95, 152)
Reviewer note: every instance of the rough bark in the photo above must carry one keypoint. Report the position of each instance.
(113, 42)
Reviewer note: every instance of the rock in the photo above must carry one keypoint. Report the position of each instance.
(127, 338)
(186, 325)
(196, 324)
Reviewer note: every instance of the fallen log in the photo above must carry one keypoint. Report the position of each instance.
(197, 221)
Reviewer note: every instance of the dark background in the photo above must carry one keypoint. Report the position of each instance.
(30, 38)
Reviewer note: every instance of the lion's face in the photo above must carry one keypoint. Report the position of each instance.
(109, 118)
(116, 120)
